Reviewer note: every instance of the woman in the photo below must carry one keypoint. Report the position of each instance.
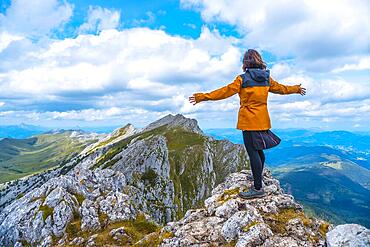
(253, 87)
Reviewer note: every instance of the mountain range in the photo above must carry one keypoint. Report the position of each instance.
(168, 184)
(20, 131)
(23, 131)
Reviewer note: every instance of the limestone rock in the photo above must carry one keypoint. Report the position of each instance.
(234, 225)
(275, 219)
(47, 210)
(227, 209)
(120, 234)
(77, 241)
(91, 241)
(256, 235)
(278, 241)
(348, 235)
(89, 213)
(177, 120)
(117, 207)
(206, 230)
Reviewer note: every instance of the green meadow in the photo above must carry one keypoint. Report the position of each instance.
(23, 157)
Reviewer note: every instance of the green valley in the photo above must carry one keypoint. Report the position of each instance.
(22, 157)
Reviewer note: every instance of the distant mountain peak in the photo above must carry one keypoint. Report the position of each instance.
(61, 131)
(177, 120)
(123, 130)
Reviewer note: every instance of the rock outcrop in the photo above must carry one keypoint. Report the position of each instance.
(175, 121)
(228, 220)
(51, 209)
(349, 235)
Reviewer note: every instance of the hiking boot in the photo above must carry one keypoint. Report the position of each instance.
(252, 193)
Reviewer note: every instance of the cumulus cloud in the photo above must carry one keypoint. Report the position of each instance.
(117, 74)
(99, 18)
(323, 112)
(107, 116)
(306, 30)
(362, 64)
(7, 38)
(137, 59)
(138, 68)
(327, 89)
(35, 18)
(139, 74)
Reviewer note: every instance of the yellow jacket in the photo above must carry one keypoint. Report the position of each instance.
(253, 113)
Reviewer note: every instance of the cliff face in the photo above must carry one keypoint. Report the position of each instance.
(165, 185)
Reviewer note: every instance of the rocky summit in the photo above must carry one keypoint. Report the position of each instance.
(167, 184)
(228, 220)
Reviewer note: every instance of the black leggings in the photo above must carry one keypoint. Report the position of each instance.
(256, 157)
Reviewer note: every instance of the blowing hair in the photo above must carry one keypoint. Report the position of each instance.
(252, 59)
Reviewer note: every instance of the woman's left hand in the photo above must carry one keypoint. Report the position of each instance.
(192, 100)
(302, 90)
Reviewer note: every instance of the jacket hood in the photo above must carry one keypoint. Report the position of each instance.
(259, 75)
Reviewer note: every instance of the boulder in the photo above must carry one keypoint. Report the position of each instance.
(348, 235)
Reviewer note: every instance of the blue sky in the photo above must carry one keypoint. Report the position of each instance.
(102, 63)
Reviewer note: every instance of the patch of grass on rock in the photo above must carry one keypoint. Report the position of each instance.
(228, 193)
(278, 221)
(46, 211)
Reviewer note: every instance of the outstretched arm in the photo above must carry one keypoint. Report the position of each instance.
(218, 94)
(278, 88)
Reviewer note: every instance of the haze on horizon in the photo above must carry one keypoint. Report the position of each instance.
(108, 63)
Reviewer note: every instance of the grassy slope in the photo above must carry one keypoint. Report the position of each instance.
(22, 157)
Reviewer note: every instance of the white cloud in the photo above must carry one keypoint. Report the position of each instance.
(140, 74)
(325, 89)
(35, 18)
(99, 18)
(362, 64)
(139, 68)
(136, 59)
(92, 114)
(313, 109)
(304, 29)
(109, 116)
(7, 38)
(150, 73)
(149, 19)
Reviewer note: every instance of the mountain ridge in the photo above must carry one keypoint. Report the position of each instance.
(163, 159)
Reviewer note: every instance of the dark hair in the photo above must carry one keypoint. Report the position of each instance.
(252, 59)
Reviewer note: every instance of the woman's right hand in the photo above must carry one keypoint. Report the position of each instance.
(192, 100)
(301, 90)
